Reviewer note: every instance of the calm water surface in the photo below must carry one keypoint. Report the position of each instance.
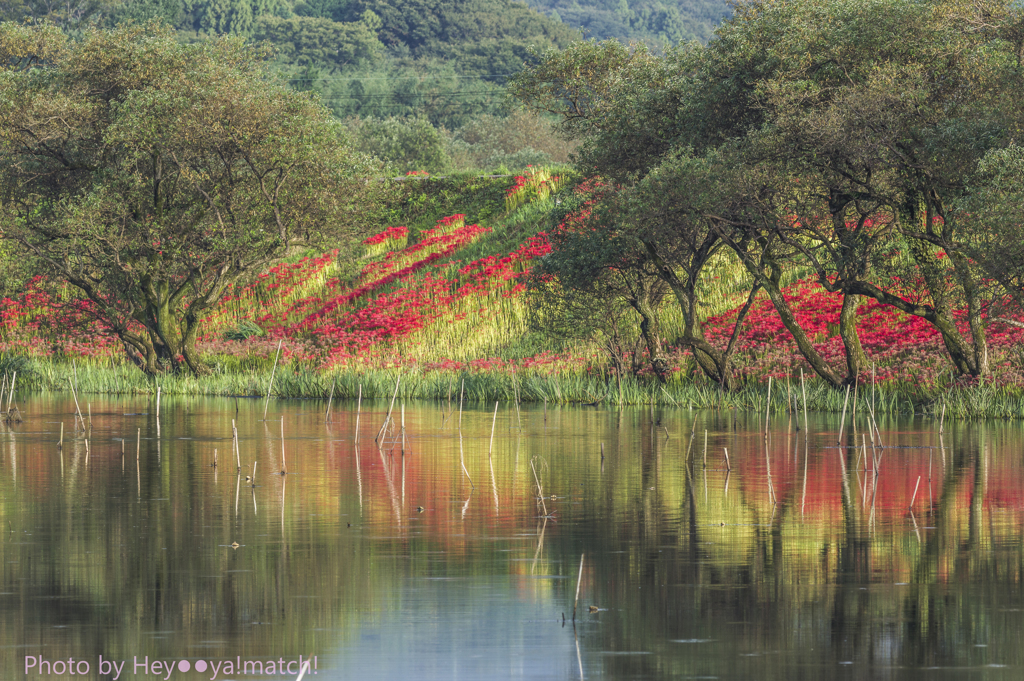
(792, 560)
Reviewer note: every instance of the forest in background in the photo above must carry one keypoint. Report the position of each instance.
(419, 82)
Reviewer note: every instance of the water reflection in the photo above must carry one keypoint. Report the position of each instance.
(888, 554)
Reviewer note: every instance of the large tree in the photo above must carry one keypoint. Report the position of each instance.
(851, 131)
(151, 175)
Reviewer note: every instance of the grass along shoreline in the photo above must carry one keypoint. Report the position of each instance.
(290, 382)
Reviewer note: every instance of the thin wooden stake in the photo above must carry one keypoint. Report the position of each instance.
(768, 406)
(359, 407)
(842, 421)
(579, 578)
(540, 490)
(284, 463)
(728, 466)
(138, 443)
(254, 473)
(60, 443)
(803, 387)
(330, 400)
(915, 492)
(270, 387)
(390, 408)
(705, 448)
(490, 447)
(462, 460)
(462, 396)
(78, 409)
(10, 396)
(234, 445)
(403, 428)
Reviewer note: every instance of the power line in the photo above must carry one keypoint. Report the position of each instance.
(410, 95)
(389, 78)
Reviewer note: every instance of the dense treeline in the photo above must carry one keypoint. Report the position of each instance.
(652, 21)
(872, 144)
(394, 65)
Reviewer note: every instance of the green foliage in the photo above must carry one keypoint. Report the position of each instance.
(309, 41)
(655, 22)
(865, 119)
(406, 144)
(485, 36)
(244, 330)
(427, 88)
(151, 174)
(488, 142)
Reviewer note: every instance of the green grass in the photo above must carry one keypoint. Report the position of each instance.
(295, 382)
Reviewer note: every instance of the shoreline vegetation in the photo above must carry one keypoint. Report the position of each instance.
(436, 293)
(685, 260)
(954, 402)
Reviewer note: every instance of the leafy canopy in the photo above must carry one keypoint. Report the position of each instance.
(151, 174)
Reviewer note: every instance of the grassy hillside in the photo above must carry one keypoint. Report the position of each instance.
(438, 295)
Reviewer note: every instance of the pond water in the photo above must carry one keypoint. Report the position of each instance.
(126, 554)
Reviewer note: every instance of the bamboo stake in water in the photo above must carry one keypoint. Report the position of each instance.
(403, 428)
(915, 492)
(728, 466)
(540, 490)
(78, 409)
(579, 578)
(462, 460)
(284, 464)
(872, 393)
(234, 445)
(390, 408)
(270, 387)
(705, 448)
(158, 389)
(254, 473)
(359, 407)
(767, 406)
(462, 396)
(327, 416)
(60, 443)
(10, 396)
(493, 422)
(138, 443)
(86, 451)
(842, 421)
(943, 417)
(803, 387)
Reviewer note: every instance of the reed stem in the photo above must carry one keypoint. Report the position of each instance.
(270, 387)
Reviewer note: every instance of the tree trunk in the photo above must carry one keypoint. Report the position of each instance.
(856, 360)
(770, 283)
(649, 329)
(713, 362)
